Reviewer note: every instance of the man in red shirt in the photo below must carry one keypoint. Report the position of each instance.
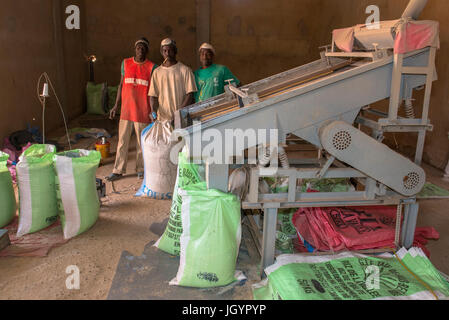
(136, 109)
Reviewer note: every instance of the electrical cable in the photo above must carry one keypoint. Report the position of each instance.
(416, 277)
(43, 103)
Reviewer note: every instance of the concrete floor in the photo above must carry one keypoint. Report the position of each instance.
(127, 224)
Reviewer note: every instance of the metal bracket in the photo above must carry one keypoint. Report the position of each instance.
(326, 167)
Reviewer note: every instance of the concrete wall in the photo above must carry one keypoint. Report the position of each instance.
(28, 48)
(258, 38)
(114, 25)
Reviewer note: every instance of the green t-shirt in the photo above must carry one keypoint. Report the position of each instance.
(211, 81)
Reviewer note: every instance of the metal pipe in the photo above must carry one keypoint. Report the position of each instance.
(414, 9)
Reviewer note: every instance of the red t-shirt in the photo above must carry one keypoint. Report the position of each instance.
(136, 83)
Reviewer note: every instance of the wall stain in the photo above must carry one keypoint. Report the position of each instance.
(168, 30)
(235, 27)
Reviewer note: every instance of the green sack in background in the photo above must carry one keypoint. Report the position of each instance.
(96, 98)
(210, 240)
(351, 276)
(37, 189)
(79, 205)
(112, 97)
(7, 197)
(190, 177)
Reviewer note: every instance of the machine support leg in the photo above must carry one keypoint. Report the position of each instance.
(420, 147)
(409, 225)
(269, 237)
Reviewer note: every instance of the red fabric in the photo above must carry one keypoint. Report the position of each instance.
(344, 39)
(33, 245)
(355, 228)
(136, 84)
(417, 35)
(414, 35)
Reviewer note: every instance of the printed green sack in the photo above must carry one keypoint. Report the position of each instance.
(38, 207)
(79, 205)
(189, 178)
(210, 240)
(350, 276)
(7, 197)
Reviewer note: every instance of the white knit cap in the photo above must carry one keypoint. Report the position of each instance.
(207, 46)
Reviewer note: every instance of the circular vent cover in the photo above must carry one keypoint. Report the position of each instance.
(411, 181)
(342, 140)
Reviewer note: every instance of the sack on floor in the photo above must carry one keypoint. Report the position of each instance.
(96, 98)
(160, 172)
(351, 276)
(210, 240)
(79, 205)
(7, 196)
(190, 177)
(37, 189)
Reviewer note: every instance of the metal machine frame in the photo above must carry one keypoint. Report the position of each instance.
(340, 86)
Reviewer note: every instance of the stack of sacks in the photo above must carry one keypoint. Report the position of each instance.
(353, 228)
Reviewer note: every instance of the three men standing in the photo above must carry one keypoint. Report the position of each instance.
(146, 90)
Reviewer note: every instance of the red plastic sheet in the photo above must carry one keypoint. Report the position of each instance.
(37, 244)
(354, 228)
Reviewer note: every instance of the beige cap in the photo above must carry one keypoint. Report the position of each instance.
(207, 46)
(168, 42)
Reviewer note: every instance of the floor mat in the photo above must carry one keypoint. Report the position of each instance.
(147, 277)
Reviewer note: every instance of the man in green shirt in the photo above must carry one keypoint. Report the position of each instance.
(211, 78)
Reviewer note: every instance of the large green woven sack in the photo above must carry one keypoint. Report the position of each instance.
(350, 276)
(96, 98)
(7, 197)
(210, 240)
(37, 189)
(79, 205)
(189, 177)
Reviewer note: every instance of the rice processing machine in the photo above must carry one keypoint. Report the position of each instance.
(327, 103)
